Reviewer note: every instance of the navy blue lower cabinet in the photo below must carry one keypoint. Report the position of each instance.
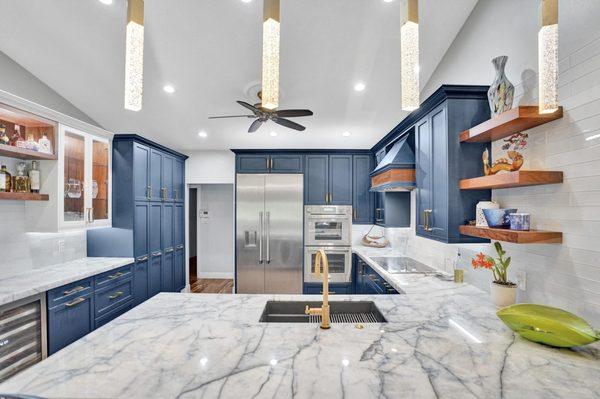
(334, 289)
(167, 271)
(179, 268)
(113, 314)
(155, 274)
(140, 279)
(70, 320)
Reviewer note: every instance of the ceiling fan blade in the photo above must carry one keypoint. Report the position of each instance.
(290, 113)
(252, 108)
(232, 116)
(255, 125)
(287, 123)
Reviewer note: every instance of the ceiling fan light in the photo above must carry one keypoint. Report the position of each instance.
(134, 55)
(409, 53)
(270, 59)
(548, 57)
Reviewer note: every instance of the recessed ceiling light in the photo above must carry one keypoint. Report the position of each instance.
(169, 89)
(273, 134)
(246, 1)
(107, 2)
(202, 134)
(346, 134)
(359, 86)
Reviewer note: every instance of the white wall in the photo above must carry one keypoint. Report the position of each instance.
(17, 80)
(566, 275)
(215, 231)
(210, 167)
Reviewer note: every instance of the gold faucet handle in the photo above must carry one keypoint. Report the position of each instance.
(307, 310)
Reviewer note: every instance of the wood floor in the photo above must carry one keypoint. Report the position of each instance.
(211, 286)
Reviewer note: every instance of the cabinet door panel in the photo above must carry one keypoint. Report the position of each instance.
(140, 229)
(167, 226)
(179, 225)
(167, 177)
(155, 228)
(316, 179)
(167, 272)
(439, 173)
(141, 171)
(252, 163)
(179, 181)
(423, 170)
(340, 179)
(140, 281)
(156, 171)
(361, 184)
(154, 275)
(179, 269)
(288, 163)
(69, 322)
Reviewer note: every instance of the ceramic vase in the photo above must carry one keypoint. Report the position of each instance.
(479, 216)
(501, 92)
(503, 295)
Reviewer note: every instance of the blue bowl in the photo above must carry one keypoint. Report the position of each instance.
(498, 218)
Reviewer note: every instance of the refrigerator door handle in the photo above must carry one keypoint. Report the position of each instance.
(268, 234)
(260, 237)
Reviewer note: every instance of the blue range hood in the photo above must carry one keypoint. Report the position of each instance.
(396, 171)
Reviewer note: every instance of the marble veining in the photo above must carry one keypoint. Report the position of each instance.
(22, 285)
(441, 340)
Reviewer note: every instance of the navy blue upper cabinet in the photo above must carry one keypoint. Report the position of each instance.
(340, 179)
(141, 167)
(179, 181)
(441, 162)
(156, 175)
(269, 163)
(167, 178)
(316, 180)
(362, 200)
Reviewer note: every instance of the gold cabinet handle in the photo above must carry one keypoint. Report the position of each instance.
(180, 246)
(74, 290)
(116, 295)
(75, 302)
(426, 214)
(149, 192)
(116, 275)
(142, 258)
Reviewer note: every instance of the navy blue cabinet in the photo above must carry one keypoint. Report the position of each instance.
(441, 162)
(269, 163)
(334, 289)
(148, 198)
(340, 179)
(70, 320)
(316, 180)
(362, 198)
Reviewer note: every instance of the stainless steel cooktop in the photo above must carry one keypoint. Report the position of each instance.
(403, 265)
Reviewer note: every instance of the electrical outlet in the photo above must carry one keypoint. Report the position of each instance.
(522, 280)
(60, 246)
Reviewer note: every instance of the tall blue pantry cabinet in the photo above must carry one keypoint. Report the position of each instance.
(148, 198)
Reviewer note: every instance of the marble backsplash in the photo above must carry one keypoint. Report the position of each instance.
(22, 251)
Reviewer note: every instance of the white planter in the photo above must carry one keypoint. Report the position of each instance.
(503, 295)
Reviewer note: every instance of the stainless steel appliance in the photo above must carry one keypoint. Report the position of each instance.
(328, 227)
(340, 264)
(403, 265)
(269, 233)
(22, 335)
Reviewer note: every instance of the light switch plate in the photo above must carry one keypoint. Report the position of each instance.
(522, 280)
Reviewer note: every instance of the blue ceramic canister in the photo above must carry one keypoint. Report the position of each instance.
(520, 221)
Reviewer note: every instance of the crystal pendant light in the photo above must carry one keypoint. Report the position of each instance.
(270, 60)
(409, 52)
(548, 57)
(134, 55)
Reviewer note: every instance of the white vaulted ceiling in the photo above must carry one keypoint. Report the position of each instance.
(210, 50)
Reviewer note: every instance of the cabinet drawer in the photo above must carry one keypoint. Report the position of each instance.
(113, 314)
(68, 292)
(113, 277)
(113, 296)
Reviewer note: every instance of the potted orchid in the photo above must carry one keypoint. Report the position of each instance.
(503, 291)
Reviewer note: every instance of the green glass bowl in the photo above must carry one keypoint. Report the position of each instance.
(548, 325)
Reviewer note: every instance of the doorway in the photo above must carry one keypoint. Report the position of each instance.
(211, 225)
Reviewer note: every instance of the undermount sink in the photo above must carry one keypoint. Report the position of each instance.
(340, 312)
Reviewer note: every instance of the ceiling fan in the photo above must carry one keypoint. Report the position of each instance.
(263, 115)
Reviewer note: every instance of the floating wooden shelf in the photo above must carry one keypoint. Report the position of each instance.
(24, 196)
(22, 153)
(512, 121)
(514, 236)
(520, 178)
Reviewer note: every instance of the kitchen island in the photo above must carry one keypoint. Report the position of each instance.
(441, 340)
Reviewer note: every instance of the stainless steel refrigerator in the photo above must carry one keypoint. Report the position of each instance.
(269, 232)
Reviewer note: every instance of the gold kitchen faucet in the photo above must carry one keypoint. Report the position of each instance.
(323, 311)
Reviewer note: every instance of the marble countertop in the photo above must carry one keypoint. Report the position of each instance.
(441, 340)
(22, 285)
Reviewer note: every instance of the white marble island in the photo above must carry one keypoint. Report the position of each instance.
(441, 340)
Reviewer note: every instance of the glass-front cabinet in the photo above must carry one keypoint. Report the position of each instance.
(85, 160)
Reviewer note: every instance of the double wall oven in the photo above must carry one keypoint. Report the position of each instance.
(328, 227)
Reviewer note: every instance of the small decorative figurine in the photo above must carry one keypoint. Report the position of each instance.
(501, 92)
(21, 179)
(502, 164)
(45, 145)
